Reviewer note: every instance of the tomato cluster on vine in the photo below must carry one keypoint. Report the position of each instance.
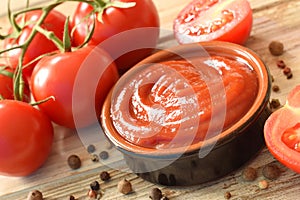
(55, 72)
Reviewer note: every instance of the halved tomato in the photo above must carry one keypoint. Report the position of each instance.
(282, 132)
(206, 20)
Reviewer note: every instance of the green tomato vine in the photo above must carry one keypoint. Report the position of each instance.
(99, 7)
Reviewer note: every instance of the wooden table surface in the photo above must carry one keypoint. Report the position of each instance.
(273, 20)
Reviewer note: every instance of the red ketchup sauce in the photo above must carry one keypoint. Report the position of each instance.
(172, 103)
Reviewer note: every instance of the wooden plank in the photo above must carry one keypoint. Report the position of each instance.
(273, 20)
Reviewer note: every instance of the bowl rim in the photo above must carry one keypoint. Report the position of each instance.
(263, 94)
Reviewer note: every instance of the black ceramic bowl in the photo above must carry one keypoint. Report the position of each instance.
(226, 153)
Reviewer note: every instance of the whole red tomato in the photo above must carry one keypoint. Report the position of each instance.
(117, 20)
(282, 132)
(206, 20)
(26, 138)
(6, 84)
(79, 82)
(40, 44)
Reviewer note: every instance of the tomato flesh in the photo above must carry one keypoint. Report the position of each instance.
(291, 137)
(206, 20)
(282, 132)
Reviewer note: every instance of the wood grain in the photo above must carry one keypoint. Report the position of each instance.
(273, 20)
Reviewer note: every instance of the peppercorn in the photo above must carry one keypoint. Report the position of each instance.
(263, 184)
(249, 174)
(92, 194)
(35, 195)
(103, 155)
(91, 148)
(271, 171)
(155, 194)
(275, 103)
(94, 158)
(104, 176)
(289, 76)
(227, 195)
(74, 162)
(275, 88)
(95, 186)
(276, 48)
(71, 197)
(124, 186)
(280, 64)
(287, 70)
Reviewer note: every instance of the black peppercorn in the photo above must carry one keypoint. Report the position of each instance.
(249, 174)
(104, 176)
(91, 148)
(94, 158)
(74, 162)
(103, 155)
(95, 186)
(71, 197)
(276, 48)
(271, 171)
(155, 194)
(35, 195)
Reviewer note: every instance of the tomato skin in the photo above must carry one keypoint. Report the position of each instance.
(40, 44)
(281, 130)
(57, 76)
(6, 86)
(115, 21)
(26, 138)
(236, 27)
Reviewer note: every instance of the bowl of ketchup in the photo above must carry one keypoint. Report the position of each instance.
(189, 114)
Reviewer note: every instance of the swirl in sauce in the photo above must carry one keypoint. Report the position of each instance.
(171, 102)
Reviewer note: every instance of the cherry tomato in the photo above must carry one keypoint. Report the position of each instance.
(115, 21)
(79, 82)
(6, 84)
(40, 44)
(282, 132)
(26, 138)
(206, 20)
